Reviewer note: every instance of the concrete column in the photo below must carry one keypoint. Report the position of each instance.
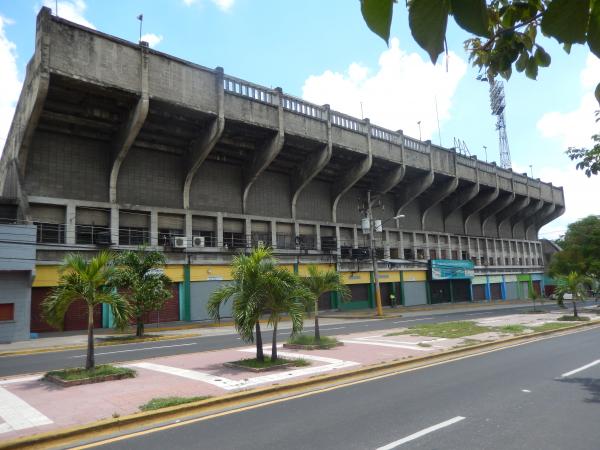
(264, 156)
(511, 211)
(219, 230)
(388, 180)
(248, 232)
(438, 194)
(114, 225)
(132, 126)
(494, 208)
(337, 240)
(203, 145)
(413, 190)
(70, 222)
(154, 228)
(355, 237)
(483, 199)
(273, 227)
(386, 244)
(188, 227)
(296, 234)
(318, 236)
(458, 201)
(352, 175)
(401, 246)
(312, 165)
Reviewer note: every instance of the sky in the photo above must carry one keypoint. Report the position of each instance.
(322, 51)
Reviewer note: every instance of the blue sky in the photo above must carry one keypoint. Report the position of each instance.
(321, 50)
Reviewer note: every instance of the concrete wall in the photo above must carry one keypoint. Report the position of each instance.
(68, 167)
(217, 187)
(270, 195)
(314, 202)
(15, 287)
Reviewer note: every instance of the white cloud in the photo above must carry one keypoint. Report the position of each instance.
(152, 39)
(223, 5)
(72, 10)
(575, 128)
(9, 80)
(401, 92)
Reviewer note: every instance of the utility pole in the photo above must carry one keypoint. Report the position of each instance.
(373, 257)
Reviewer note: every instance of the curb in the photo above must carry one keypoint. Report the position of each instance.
(121, 424)
(62, 348)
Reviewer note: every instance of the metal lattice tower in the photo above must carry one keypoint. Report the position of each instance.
(498, 103)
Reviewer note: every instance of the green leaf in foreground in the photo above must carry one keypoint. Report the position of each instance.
(593, 35)
(471, 15)
(378, 16)
(427, 20)
(566, 20)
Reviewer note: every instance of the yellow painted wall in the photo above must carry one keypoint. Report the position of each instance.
(206, 273)
(356, 277)
(389, 277)
(415, 275)
(45, 276)
(174, 272)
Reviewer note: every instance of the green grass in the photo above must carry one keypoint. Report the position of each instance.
(424, 344)
(100, 371)
(573, 319)
(308, 339)
(446, 329)
(551, 326)
(255, 364)
(512, 329)
(165, 402)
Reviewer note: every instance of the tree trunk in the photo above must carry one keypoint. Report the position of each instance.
(259, 345)
(139, 332)
(575, 309)
(317, 331)
(274, 343)
(89, 361)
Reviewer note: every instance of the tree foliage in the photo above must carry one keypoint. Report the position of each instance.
(260, 287)
(574, 284)
(142, 282)
(320, 282)
(580, 249)
(505, 32)
(92, 281)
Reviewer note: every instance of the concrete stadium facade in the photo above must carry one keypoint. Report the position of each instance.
(115, 144)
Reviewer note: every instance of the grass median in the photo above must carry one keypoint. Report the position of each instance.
(102, 371)
(165, 402)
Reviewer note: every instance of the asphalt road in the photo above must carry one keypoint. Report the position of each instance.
(513, 399)
(24, 364)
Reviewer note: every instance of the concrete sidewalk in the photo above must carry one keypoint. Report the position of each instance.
(181, 330)
(31, 405)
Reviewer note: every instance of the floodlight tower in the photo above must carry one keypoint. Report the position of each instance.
(498, 103)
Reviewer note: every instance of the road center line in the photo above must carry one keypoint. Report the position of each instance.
(137, 349)
(587, 366)
(421, 433)
(413, 320)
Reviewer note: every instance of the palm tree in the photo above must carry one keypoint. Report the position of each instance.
(319, 282)
(285, 294)
(146, 288)
(574, 284)
(90, 280)
(247, 295)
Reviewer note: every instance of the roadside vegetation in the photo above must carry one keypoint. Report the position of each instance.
(97, 372)
(165, 402)
(324, 342)
(448, 330)
(268, 362)
(551, 326)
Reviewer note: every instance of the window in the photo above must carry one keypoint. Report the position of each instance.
(133, 236)
(7, 311)
(52, 233)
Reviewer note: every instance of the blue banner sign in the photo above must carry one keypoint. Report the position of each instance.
(451, 269)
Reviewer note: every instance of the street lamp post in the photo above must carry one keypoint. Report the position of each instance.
(372, 251)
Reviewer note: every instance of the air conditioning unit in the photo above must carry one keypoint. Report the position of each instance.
(179, 242)
(198, 241)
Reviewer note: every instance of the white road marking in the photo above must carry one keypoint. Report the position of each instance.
(18, 414)
(587, 366)
(20, 379)
(413, 320)
(421, 433)
(137, 349)
(389, 344)
(230, 384)
(329, 329)
(527, 391)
